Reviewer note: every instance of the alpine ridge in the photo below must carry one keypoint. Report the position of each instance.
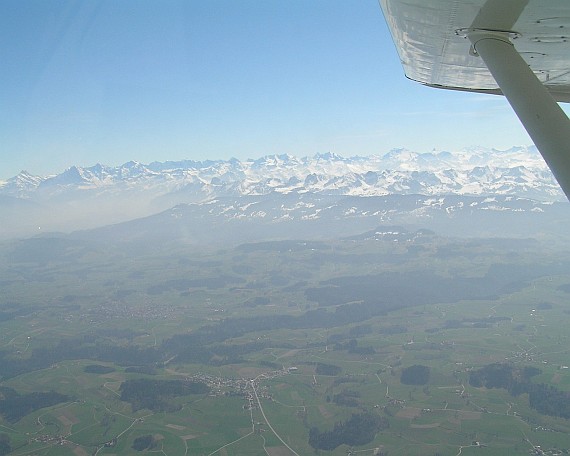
(278, 191)
(518, 171)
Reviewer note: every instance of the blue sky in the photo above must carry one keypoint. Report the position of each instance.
(110, 81)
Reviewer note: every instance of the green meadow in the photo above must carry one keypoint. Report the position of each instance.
(289, 339)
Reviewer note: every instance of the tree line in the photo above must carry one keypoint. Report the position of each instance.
(158, 395)
(545, 399)
(15, 406)
(359, 429)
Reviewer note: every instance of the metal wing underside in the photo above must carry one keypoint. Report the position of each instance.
(433, 48)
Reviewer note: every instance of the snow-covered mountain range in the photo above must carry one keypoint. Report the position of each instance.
(518, 171)
(400, 186)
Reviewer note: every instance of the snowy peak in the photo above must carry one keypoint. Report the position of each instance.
(21, 185)
(73, 177)
(274, 161)
(26, 179)
(329, 156)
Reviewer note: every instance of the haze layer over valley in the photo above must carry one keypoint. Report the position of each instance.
(398, 186)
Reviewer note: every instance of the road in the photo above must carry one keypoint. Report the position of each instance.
(265, 417)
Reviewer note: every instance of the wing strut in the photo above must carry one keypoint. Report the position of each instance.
(545, 122)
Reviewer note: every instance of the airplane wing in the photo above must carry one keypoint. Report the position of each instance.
(517, 48)
(431, 39)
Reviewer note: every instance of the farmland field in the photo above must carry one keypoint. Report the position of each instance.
(280, 347)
